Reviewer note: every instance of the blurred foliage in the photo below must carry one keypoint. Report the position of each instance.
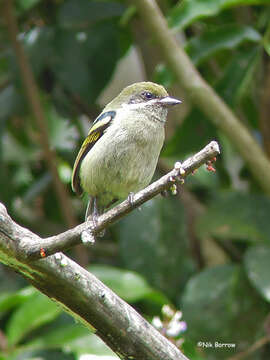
(74, 48)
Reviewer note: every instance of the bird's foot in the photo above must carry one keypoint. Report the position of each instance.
(95, 223)
(93, 220)
(87, 237)
(92, 214)
(131, 198)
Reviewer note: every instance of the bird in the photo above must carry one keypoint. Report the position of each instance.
(120, 153)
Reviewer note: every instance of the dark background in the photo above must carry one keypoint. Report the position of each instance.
(205, 251)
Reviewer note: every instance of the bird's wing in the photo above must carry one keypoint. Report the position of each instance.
(95, 133)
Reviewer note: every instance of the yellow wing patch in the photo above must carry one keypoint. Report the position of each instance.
(92, 137)
(95, 132)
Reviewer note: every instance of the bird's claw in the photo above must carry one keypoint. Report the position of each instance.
(87, 237)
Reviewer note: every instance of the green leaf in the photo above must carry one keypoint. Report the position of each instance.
(221, 38)
(38, 43)
(238, 75)
(127, 284)
(61, 336)
(216, 302)
(86, 74)
(81, 14)
(71, 71)
(258, 268)
(11, 102)
(10, 300)
(188, 11)
(47, 354)
(266, 40)
(237, 216)
(33, 313)
(92, 344)
(72, 338)
(153, 242)
(24, 5)
(62, 135)
(16, 152)
(202, 47)
(65, 172)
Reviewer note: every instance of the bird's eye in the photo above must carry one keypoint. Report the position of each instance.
(147, 95)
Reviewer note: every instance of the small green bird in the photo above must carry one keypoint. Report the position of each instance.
(120, 154)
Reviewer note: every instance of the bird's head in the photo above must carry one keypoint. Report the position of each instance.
(141, 96)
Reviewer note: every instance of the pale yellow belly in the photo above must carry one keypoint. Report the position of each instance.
(122, 169)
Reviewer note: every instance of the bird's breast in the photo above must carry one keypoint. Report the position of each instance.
(123, 160)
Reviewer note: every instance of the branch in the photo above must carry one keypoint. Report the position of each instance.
(202, 94)
(32, 93)
(86, 298)
(81, 293)
(69, 238)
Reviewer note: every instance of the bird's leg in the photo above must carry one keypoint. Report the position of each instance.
(95, 214)
(91, 215)
(131, 198)
(88, 209)
(92, 212)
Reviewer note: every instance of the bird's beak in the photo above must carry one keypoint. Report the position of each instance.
(168, 101)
